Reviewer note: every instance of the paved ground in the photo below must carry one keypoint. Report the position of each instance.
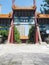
(24, 54)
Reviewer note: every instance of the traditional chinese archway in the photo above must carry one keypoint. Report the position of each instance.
(16, 11)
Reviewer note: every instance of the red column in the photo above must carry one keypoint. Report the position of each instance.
(36, 31)
(36, 35)
(11, 33)
(11, 30)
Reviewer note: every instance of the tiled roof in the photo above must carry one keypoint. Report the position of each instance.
(39, 15)
(23, 8)
(23, 37)
(6, 15)
(42, 15)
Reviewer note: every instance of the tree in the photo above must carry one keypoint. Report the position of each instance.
(45, 7)
(4, 34)
(16, 35)
(31, 34)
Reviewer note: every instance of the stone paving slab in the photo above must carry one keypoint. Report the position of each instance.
(24, 54)
(25, 59)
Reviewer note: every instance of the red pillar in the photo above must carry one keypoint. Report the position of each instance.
(36, 31)
(11, 33)
(11, 30)
(36, 35)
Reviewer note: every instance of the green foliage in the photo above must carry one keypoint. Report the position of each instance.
(45, 7)
(4, 34)
(16, 35)
(31, 34)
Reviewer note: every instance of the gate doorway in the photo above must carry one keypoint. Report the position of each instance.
(23, 29)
